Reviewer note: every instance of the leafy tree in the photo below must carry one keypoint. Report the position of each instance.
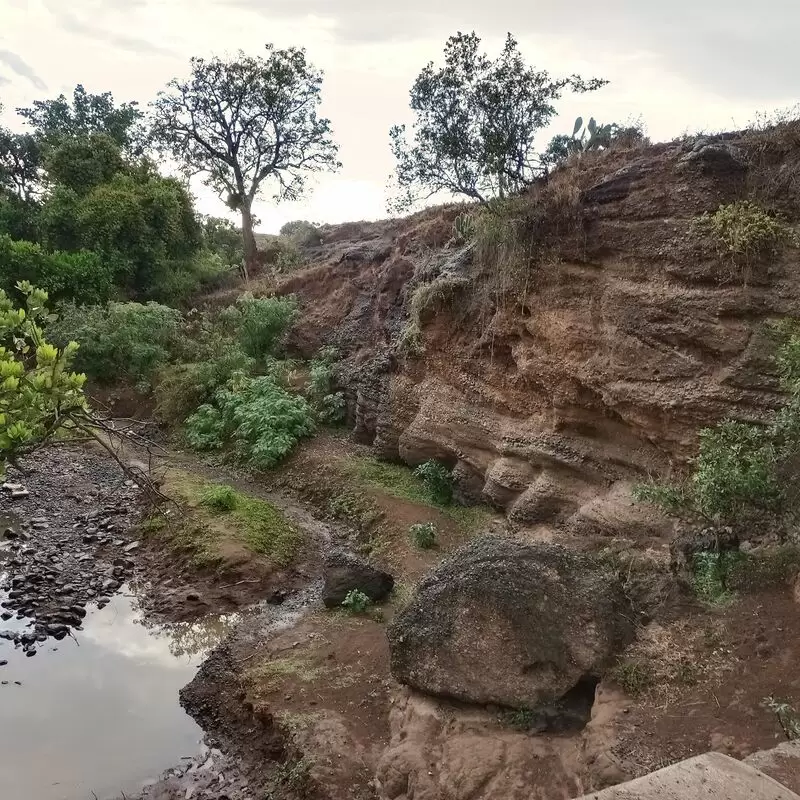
(245, 121)
(39, 394)
(20, 161)
(223, 238)
(476, 121)
(81, 163)
(86, 114)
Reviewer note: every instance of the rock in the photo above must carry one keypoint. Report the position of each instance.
(277, 597)
(511, 624)
(343, 572)
(193, 597)
(132, 546)
(713, 158)
(10, 533)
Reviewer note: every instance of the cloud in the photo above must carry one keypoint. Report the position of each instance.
(69, 22)
(19, 66)
(721, 45)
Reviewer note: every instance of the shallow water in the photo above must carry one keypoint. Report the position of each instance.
(99, 715)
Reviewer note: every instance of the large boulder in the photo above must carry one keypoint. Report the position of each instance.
(510, 623)
(344, 572)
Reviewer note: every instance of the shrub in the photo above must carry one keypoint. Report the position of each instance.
(356, 602)
(329, 406)
(302, 233)
(83, 276)
(438, 481)
(423, 535)
(219, 498)
(262, 322)
(710, 572)
(182, 388)
(119, 340)
(260, 419)
(744, 231)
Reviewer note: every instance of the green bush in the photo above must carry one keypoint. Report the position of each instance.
(263, 322)
(258, 418)
(119, 340)
(424, 535)
(82, 276)
(744, 231)
(735, 470)
(182, 388)
(329, 406)
(219, 498)
(302, 233)
(438, 481)
(710, 572)
(356, 602)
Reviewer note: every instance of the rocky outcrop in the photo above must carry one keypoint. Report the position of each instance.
(509, 623)
(344, 572)
(608, 355)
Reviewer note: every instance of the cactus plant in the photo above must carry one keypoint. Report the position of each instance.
(463, 228)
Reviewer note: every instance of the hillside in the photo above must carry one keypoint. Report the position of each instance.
(548, 386)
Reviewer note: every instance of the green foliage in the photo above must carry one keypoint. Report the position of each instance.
(424, 535)
(356, 602)
(477, 122)
(463, 228)
(710, 575)
(788, 718)
(244, 121)
(519, 719)
(302, 233)
(81, 275)
(328, 405)
(437, 479)
(744, 231)
(219, 498)
(261, 420)
(735, 469)
(289, 258)
(263, 322)
(38, 390)
(672, 499)
(223, 238)
(20, 161)
(83, 163)
(119, 340)
(55, 120)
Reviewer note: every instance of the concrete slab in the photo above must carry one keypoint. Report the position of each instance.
(712, 776)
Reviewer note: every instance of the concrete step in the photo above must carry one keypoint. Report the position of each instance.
(712, 776)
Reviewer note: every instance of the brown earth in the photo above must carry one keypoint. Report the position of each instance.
(549, 391)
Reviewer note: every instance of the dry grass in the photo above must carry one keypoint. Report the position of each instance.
(667, 657)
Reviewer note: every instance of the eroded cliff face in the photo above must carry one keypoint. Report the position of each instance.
(626, 334)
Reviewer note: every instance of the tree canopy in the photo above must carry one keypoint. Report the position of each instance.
(476, 123)
(86, 114)
(246, 121)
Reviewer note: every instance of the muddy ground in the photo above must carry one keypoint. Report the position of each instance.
(299, 702)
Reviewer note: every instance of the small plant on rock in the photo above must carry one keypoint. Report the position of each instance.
(219, 498)
(787, 716)
(744, 231)
(423, 535)
(438, 481)
(356, 602)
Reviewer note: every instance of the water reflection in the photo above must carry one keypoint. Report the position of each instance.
(99, 713)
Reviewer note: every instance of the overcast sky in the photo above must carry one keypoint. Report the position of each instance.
(684, 65)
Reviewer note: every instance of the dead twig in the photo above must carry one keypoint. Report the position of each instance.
(239, 583)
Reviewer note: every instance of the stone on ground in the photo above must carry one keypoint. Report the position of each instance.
(510, 623)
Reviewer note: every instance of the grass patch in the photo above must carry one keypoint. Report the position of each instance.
(399, 481)
(520, 719)
(711, 575)
(270, 674)
(635, 677)
(218, 520)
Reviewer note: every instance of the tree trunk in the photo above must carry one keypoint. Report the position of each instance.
(250, 249)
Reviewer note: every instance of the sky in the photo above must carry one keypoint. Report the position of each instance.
(687, 65)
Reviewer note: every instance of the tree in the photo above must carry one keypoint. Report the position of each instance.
(476, 122)
(87, 114)
(245, 121)
(20, 160)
